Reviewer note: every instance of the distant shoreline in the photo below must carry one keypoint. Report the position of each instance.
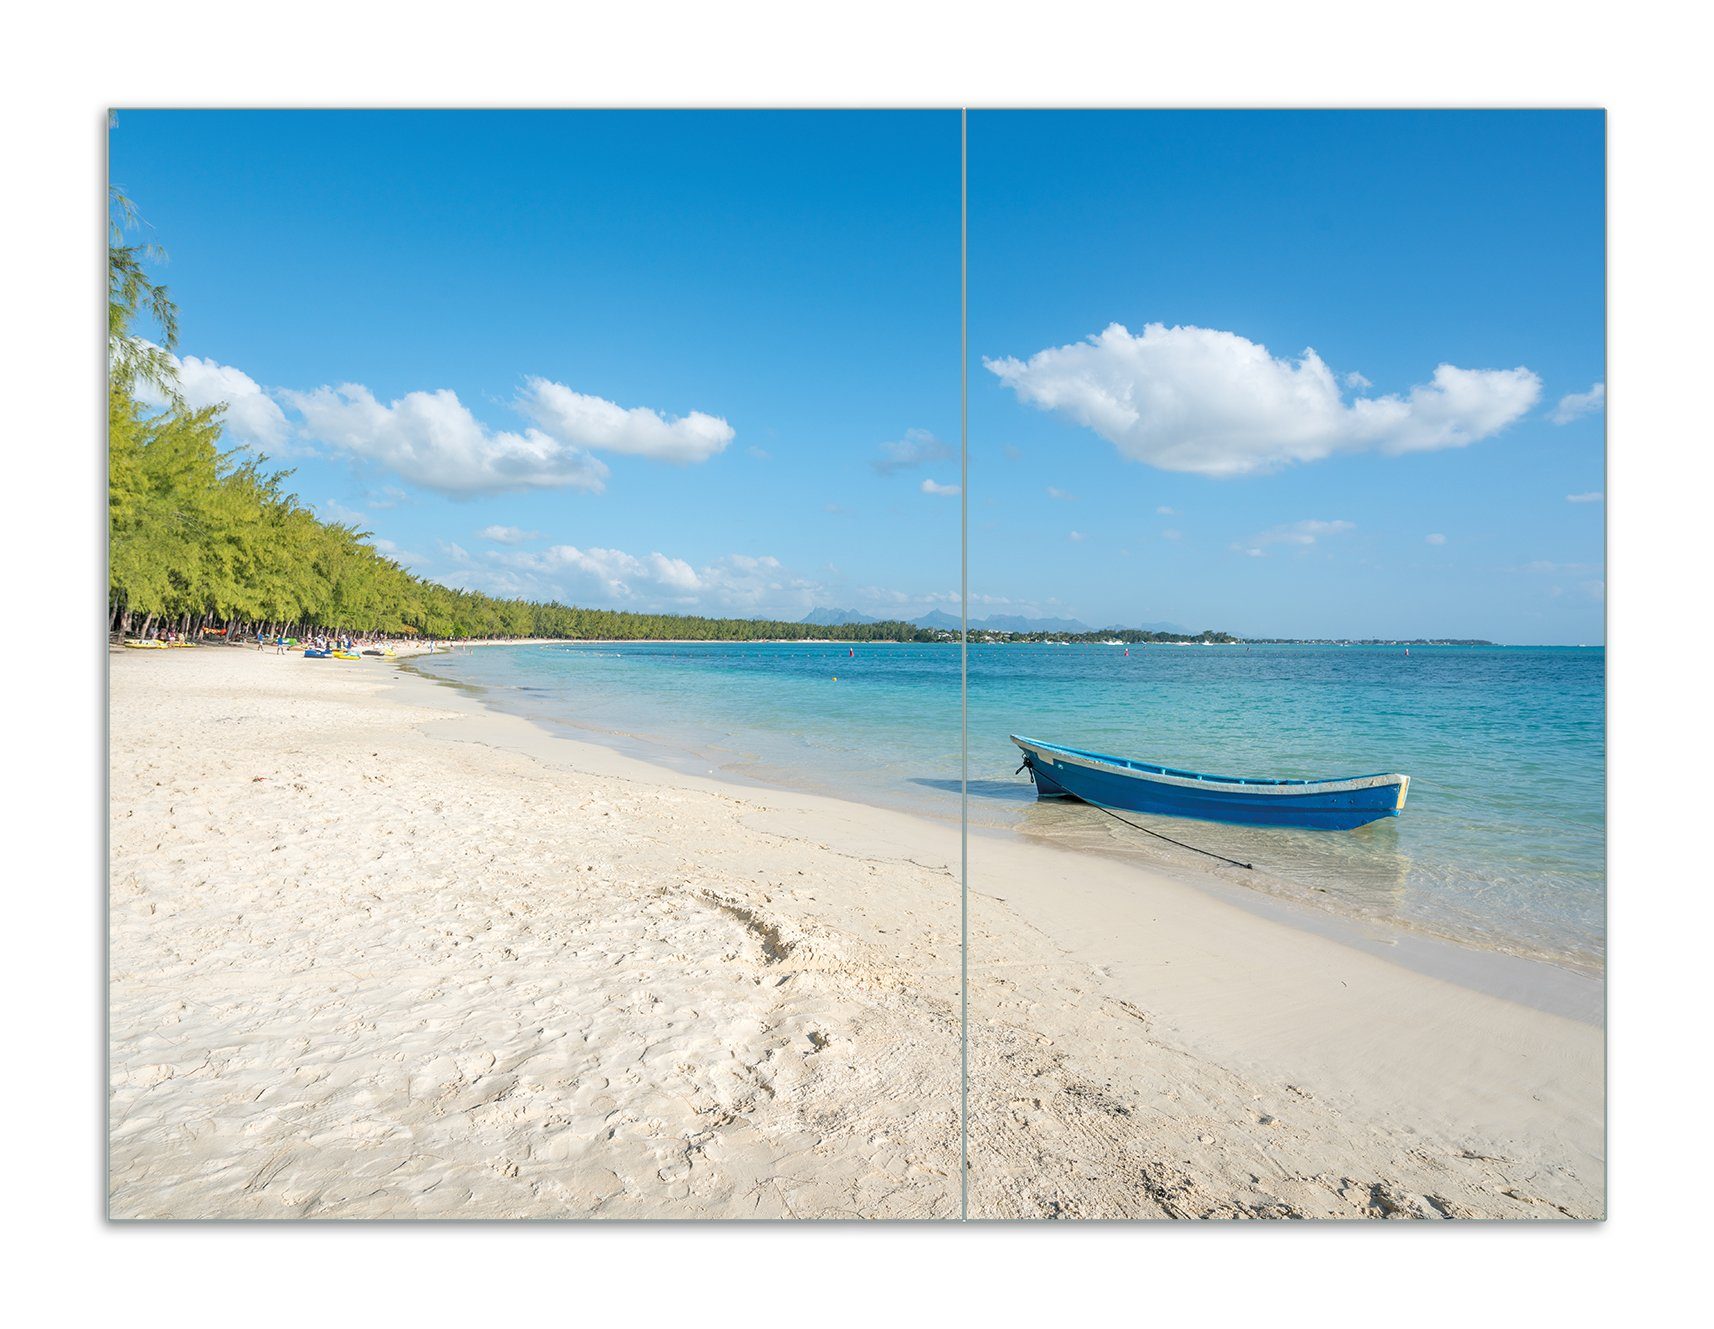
(987, 639)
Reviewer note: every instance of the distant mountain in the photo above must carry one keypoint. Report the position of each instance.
(836, 618)
(937, 618)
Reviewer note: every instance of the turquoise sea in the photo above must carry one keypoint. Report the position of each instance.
(1502, 843)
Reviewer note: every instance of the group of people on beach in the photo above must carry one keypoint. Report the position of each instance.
(323, 641)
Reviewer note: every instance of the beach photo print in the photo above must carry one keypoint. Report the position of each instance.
(921, 666)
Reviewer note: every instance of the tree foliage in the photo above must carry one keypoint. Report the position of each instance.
(130, 294)
(200, 536)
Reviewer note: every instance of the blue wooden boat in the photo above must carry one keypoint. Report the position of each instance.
(1340, 804)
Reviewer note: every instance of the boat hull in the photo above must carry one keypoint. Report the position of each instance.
(1328, 805)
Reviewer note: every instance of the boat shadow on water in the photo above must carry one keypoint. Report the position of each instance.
(1363, 870)
(1001, 791)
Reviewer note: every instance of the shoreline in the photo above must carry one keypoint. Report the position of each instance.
(1211, 1061)
(1565, 983)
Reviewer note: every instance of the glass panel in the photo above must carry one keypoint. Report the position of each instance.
(1287, 459)
(551, 811)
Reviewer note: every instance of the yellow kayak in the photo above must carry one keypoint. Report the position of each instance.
(346, 655)
(145, 646)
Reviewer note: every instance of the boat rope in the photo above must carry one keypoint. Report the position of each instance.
(1180, 843)
(1248, 867)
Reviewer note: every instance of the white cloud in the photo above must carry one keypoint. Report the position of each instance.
(1356, 381)
(760, 454)
(1435, 539)
(1076, 537)
(578, 420)
(1576, 404)
(742, 584)
(619, 575)
(916, 448)
(507, 535)
(333, 510)
(1060, 494)
(1298, 533)
(404, 557)
(1593, 496)
(1214, 403)
(1172, 535)
(253, 419)
(892, 600)
(944, 491)
(432, 439)
(1164, 511)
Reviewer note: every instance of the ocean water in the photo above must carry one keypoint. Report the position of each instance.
(1502, 843)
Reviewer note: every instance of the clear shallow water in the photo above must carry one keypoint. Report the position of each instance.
(1502, 842)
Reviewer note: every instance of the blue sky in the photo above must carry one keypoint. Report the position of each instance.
(1390, 244)
(709, 361)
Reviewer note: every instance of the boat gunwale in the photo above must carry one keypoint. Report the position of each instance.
(1133, 769)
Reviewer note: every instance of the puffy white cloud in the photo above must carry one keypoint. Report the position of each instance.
(618, 575)
(404, 557)
(432, 439)
(578, 420)
(1435, 539)
(1299, 533)
(1076, 537)
(1593, 496)
(743, 584)
(1574, 405)
(253, 418)
(507, 535)
(1215, 403)
(331, 509)
(916, 448)
(942, 491)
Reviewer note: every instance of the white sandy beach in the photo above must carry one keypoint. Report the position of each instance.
(379, 952)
